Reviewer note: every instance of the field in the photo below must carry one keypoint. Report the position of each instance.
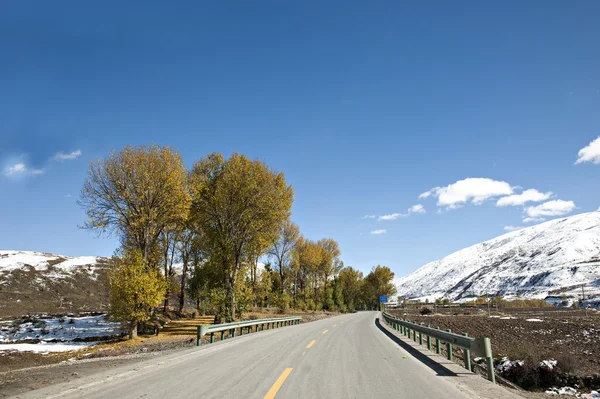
(532, 335)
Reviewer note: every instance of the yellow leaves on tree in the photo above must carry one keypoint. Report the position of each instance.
(137, 192)
(239, 205)
(134, 289)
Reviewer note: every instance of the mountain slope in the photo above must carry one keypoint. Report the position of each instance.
(528, 262)
(35, 282)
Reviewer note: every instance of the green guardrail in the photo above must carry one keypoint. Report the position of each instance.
(247, 325)
(481, 347)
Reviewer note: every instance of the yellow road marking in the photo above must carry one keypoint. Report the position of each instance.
(275, 388)
(311, 343)
(325, 332)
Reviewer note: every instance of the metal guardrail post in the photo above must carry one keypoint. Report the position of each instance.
(421, 336)
(222, 335)
(200, 332)
(428, 339)
(438, 346)
(467, 356)
(212, 337)
(449, 348)
(489, 360)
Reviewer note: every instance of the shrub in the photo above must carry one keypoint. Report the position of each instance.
(425, 311)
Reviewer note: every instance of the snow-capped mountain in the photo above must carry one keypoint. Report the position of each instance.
(533, 262)
(36, 282)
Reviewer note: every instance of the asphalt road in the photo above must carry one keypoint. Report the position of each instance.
(348, 356)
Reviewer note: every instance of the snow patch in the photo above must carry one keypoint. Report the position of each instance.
(45, 347)
(60, 329)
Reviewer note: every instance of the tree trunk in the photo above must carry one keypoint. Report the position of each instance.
(182, 292)
(166, 302)
(133, 329)
(281, 276)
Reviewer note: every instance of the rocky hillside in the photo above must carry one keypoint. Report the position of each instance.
(534, 261)
(34, 283)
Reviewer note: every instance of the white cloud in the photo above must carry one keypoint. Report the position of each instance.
(589, 153)
(472, 189)
(17, 168)
(68, 195)
(392, 216)
(512, 228)
(378, 232)
(61, 156)
(533, 220)
(369, 217)
(550, 208)
(531, 195)
(21, 169)
(418, 208)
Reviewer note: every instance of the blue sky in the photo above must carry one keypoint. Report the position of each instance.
(363, 106)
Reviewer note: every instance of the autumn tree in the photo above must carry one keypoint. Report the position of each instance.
(134, 289)
(380, 281)
(283, 248)
(189, 247)
(305, 266)
(351, 281)
(329, 266)
(237, 204)
(137, 192)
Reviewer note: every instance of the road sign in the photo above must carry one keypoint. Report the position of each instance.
(382, 299)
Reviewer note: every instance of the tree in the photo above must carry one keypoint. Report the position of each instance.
(134, 289)
(190, 252)
(330, 265)
(137, 192)
(351, 281)
(168, 245)
(237, 204)
(377, 283)
(283, 248)
(305, 266)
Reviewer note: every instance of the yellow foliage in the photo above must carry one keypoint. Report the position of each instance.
(137, 192)
(134, 289)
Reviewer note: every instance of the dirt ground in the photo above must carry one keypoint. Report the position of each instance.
(23, 371)
(565, 335)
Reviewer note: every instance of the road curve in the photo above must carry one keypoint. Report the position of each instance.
(347, 356)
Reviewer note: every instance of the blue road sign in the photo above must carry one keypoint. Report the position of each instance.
(382, 299)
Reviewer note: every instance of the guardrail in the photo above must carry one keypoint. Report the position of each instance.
(481, 347)
(244, 325)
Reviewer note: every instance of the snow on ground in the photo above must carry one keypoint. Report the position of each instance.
(568, 391)
(536, 320)
(45, 347)
(507, 364)
(61, 329)
(548, 364)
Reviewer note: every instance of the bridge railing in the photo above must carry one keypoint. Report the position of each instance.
(246, 325)
(481, 347)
